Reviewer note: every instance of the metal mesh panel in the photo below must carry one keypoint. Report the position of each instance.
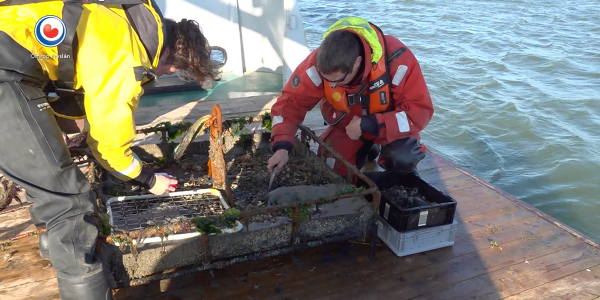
(136, 214)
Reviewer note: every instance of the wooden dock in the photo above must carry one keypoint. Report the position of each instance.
(504, 249)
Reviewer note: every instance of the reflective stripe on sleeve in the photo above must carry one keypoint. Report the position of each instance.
(402, 120)
(400, 72)
(314, 75)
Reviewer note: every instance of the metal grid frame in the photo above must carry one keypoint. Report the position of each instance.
(219, 172)
(306, 135)
(131, 213)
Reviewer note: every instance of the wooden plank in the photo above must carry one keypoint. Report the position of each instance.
(324, 279)
(579, 286)
(547, 269)
(478, 206)
(492, 220)
(473, 200)
(460, 248)
(527, 206)
(441, 174)
(432, 162)
(390, 265)
(46, 289)
(247, 278)
(472, 195)
(474, 209)
(518, 278)
(507, 232)
(15, 223)
(470, 206)
(452, 183)
(285, 280)
(458, 269)
(490, 259)
(324, 272)
(24, 255)
(463, 245)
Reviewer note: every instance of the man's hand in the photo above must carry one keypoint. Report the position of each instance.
(163, 184)
(353, 129)
(278, 159)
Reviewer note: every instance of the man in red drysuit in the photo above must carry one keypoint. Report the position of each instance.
(371, 92)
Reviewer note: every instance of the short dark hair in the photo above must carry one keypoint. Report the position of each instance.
(338, 52)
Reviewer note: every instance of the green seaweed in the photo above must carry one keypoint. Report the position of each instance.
(105, 229)
(302, 211)
(350, 189)
(211, 225)
(266, 121)
(205, 225)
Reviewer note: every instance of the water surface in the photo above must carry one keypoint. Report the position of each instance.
(516, 89)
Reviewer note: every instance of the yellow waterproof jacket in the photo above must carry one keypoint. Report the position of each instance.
(116, 48)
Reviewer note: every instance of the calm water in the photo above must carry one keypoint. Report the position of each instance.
(516, 88)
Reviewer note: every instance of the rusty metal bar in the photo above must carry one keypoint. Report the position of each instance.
(218, 168)
(352, 170)
(337, 156)
(295, 219)
(205, 249)
(349, 177)
(247, 222)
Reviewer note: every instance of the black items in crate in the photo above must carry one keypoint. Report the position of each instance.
(406, 212)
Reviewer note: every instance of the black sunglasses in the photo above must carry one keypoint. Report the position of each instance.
(339, 80)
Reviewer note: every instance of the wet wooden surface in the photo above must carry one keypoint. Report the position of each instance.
(23, 273)
(536, 258)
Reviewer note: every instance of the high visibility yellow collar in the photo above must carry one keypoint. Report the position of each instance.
(362, 28)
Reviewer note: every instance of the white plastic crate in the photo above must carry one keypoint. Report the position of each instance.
(132, 213)
(416, 241)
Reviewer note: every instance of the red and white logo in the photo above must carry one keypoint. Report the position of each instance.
(50, 31)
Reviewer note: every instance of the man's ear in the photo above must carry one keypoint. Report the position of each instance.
(358, 61)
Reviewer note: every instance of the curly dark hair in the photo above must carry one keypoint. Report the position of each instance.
(189, 50)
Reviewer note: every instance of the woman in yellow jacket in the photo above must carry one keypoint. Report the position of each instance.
(95, 58)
